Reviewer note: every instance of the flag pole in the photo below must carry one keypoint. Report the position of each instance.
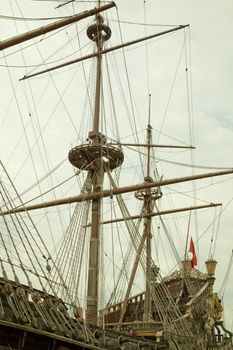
(187, 237)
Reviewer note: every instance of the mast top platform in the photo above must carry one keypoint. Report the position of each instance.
(153, 194)
(99, 30)
(88, 156)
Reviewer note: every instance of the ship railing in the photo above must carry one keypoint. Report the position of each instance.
(115, 307)
(223, 337)
(220, 338)
(223, 346)
(137, 325)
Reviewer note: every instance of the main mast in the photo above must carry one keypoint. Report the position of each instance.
(89, 157)
(95, 33)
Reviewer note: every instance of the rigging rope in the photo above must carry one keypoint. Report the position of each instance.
(133, 121)
(14, 18)
(146, 50)
(172, 88)
(226, 277)
(34, 249)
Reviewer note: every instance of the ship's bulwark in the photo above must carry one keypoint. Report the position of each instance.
(44, 324)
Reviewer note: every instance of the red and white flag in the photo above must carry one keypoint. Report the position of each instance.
(192, 250)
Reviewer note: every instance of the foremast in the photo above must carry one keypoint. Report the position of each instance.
(149, 198)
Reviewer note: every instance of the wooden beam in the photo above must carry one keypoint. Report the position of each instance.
(160, 213)
(52, 26)
(104, 51)
(107, 193)
(151, 145)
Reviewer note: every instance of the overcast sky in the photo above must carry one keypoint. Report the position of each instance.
(211, 86)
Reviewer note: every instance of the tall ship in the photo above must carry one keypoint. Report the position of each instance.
(102, 224)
